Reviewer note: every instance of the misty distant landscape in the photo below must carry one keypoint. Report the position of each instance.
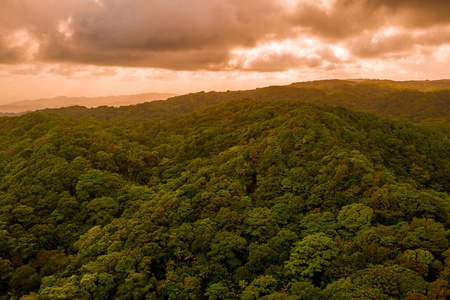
(63, 101)
(271, 149)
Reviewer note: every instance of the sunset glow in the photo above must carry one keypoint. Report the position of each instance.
(93, 47)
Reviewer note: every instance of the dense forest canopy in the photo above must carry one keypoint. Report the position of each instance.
(250, 195)
(424, 85)
(412, 101)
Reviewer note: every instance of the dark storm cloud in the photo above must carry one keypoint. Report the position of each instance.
(201, 34)
(413, 13)
(161, 25)
(347, 18)
(171, 34)
(357, 24)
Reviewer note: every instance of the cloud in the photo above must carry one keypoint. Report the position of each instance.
(204, 34)
(173, 34)
(413, 13)
(348, 18)
(392, 43)
(277, 62)
(343, 19)
(8, 54)
(284, 56)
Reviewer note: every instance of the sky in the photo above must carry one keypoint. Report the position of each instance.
(115, 47)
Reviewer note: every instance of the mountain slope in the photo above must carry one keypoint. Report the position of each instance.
(271, 199)
(384, 100)
(421, 85)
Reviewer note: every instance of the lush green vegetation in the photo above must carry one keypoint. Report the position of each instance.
(426, 85)
(385, 98)
(249, 199)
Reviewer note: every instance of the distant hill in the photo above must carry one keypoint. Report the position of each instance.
(62, 101)
(412, 101)
(13, 114)
(421, 85)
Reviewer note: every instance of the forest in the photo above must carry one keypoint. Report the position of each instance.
(322, 190)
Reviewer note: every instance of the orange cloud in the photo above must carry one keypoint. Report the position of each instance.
(245, 38)
(202, 34)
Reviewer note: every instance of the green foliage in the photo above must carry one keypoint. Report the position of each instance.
(311, 255)
(393, 281)
(218, 291)
(97, 286)
(101, 211)
(408, 100)
(256, 199)
(260, 287)
(305, 290)
(24, 279)
(426, 234)
(355, 217)
(318, 222)
(229, 249)
(96, 184)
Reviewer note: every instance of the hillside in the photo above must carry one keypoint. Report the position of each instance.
(386, 100)
(58, 102)
(253, 199)
(421, 85)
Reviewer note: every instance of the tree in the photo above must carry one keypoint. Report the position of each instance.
(260, 287)
(311, 255)
(96, 184)
(439, 290)
(101, 211)
(355, 217)
(304, 290)
(425, 234)
(25, 279)
(393, 281)
(217, 291)
(318, 222)
(261, 224)
(229, 249)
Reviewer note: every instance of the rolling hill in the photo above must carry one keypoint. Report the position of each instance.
(58, 102)
(386, 100)
(221, 196)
